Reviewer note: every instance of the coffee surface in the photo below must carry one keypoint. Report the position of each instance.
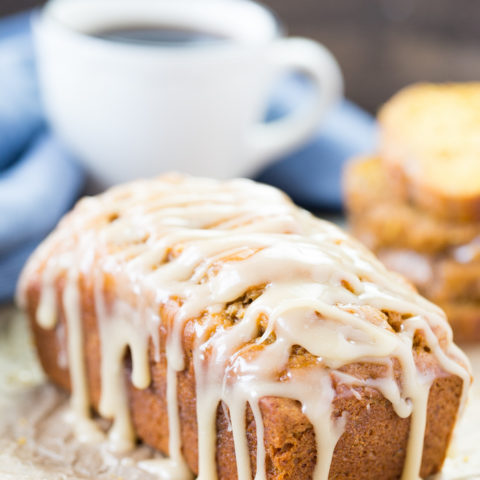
(165, 36)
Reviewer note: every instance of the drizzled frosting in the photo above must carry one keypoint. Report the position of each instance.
(197, 248)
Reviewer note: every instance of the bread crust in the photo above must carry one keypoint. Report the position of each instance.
(372, 446)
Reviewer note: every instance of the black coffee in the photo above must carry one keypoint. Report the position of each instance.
(159, 36)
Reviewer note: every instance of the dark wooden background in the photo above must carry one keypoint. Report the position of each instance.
(381, 44)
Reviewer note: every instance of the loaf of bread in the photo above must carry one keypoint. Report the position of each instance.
(243, 337)
(431, 147)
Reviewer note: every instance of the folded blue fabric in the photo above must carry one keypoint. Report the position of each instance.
(35, 192)
(39, 180)
(20, 111)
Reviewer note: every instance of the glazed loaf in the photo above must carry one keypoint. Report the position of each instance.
(243, 337)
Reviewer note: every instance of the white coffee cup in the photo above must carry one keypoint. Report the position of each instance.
(129, 110)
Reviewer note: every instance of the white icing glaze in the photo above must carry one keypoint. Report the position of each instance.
(195, 246)
(84, 427)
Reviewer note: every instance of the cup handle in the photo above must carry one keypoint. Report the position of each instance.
(272, 139)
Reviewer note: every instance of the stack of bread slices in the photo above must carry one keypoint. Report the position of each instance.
(417, 202)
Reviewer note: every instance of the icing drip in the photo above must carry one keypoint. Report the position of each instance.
(176, 461)
(85, 429)
(255, 277)
(117, 334)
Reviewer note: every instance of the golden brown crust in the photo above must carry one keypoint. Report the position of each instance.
(372, 446)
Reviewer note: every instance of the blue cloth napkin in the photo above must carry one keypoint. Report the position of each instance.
(39, 181)
(312, 174)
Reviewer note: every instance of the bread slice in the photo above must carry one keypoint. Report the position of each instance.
(430, 144)
(224, 326)
(380, 218)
